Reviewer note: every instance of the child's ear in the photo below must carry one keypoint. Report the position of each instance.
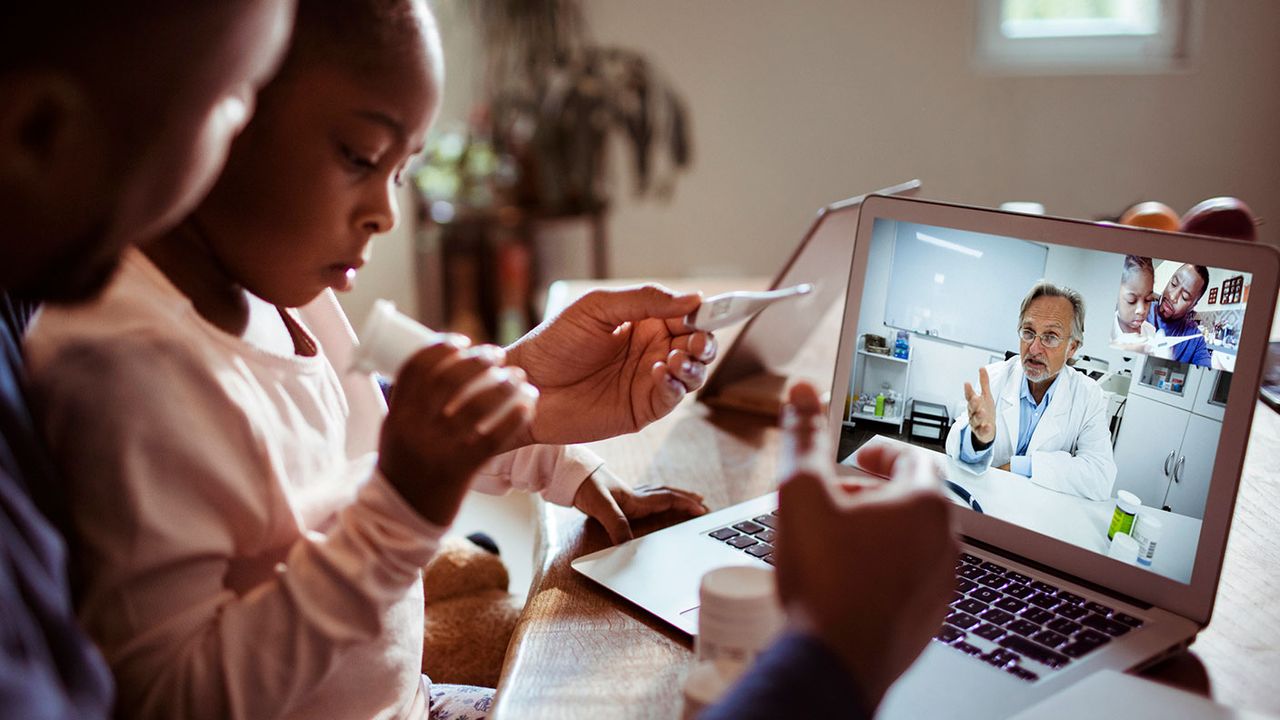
(47, 129)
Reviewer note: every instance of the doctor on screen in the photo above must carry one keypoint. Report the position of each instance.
(1033, 419)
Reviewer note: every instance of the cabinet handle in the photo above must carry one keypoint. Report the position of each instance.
(1177, 469)
(1169, 460)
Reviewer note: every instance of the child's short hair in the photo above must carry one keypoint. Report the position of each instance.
(353, 33)
(1134, 264)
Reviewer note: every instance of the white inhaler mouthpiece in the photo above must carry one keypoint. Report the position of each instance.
(388, 339)
(721, 311)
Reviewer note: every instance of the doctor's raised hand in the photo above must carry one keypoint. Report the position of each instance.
(612, 362)
(982, 411)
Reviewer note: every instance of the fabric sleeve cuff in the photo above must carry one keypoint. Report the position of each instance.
(404, 538)
(1020, 464)
(574, 465)
(968, 454)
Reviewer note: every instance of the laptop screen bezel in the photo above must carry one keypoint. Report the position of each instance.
(1193, 600)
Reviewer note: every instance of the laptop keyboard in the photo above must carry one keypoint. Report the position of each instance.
(1026, 627)
(753, 536)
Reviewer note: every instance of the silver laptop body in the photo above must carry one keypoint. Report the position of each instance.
(1108, 613)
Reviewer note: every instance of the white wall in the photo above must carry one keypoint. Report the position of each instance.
(940, 368)
(797, 104)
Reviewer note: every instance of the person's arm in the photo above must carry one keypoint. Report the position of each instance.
(554, 471)
(874, 636)
(1200, 353)
(798, 676)
(574, 476)
(978, 419)
(968, 453)
(1088, 472)
(48, 668)
(169, 484)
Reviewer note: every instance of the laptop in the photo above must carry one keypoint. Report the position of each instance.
(1039, 602)
(752, 372)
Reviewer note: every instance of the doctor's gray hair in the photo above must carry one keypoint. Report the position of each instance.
(1044, 288)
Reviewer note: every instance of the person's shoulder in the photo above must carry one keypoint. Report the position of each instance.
(137, 318)
(1000, 372)
(1078, 382)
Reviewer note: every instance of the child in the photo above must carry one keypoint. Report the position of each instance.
(249, 554)
(1137, 282)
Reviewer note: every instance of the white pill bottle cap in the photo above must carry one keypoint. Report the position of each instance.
(739, 614)
(1128, 502)
(1124, 548)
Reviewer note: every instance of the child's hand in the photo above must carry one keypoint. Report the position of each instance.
(439, 428)
(604, 497)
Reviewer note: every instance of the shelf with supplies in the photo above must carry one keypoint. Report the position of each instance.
(882, 356)
(880, 381)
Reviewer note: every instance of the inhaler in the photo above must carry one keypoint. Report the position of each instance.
(389, 338)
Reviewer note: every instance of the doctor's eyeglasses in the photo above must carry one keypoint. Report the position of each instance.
(1049, 340)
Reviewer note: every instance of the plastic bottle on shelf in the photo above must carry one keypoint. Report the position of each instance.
(900, 347)
(880, 405)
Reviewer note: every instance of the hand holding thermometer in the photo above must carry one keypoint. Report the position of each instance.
(720, 311)
(1160, 343)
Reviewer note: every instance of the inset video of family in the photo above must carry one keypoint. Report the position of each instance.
(1077, 393)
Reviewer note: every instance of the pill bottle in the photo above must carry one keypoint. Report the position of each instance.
(1127, 505)
(1123, 547)
(707, 682)
(1147, 532)
(739, 616)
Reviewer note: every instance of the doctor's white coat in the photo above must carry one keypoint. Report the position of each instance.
(1071, 447)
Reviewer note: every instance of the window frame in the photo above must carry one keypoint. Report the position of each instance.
(1168, 50)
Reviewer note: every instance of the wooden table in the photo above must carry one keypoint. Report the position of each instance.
(579, 652)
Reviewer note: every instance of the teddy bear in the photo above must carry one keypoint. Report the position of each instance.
(470, 616)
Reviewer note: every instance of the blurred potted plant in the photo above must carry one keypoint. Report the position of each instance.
(459, 181)
(555, 103)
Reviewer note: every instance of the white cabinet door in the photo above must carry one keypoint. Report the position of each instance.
(1190, 489)
(1147, 446)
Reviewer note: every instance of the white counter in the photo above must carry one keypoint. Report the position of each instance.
(1069, 518)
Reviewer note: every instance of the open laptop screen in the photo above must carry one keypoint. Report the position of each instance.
(1105, 392)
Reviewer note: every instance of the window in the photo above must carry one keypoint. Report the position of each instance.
(1070, 36)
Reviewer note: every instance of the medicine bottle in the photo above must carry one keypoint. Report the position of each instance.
(707, 682)
(738, 618)
(1127, 506)
(1123, 547)
(1147, 532)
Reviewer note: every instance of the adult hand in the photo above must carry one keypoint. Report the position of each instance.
(604, 497)
(982, 409)
(613, 362)
(439, 428)
(877, 610)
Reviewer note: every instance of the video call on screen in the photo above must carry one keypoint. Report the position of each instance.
(1110, 433)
